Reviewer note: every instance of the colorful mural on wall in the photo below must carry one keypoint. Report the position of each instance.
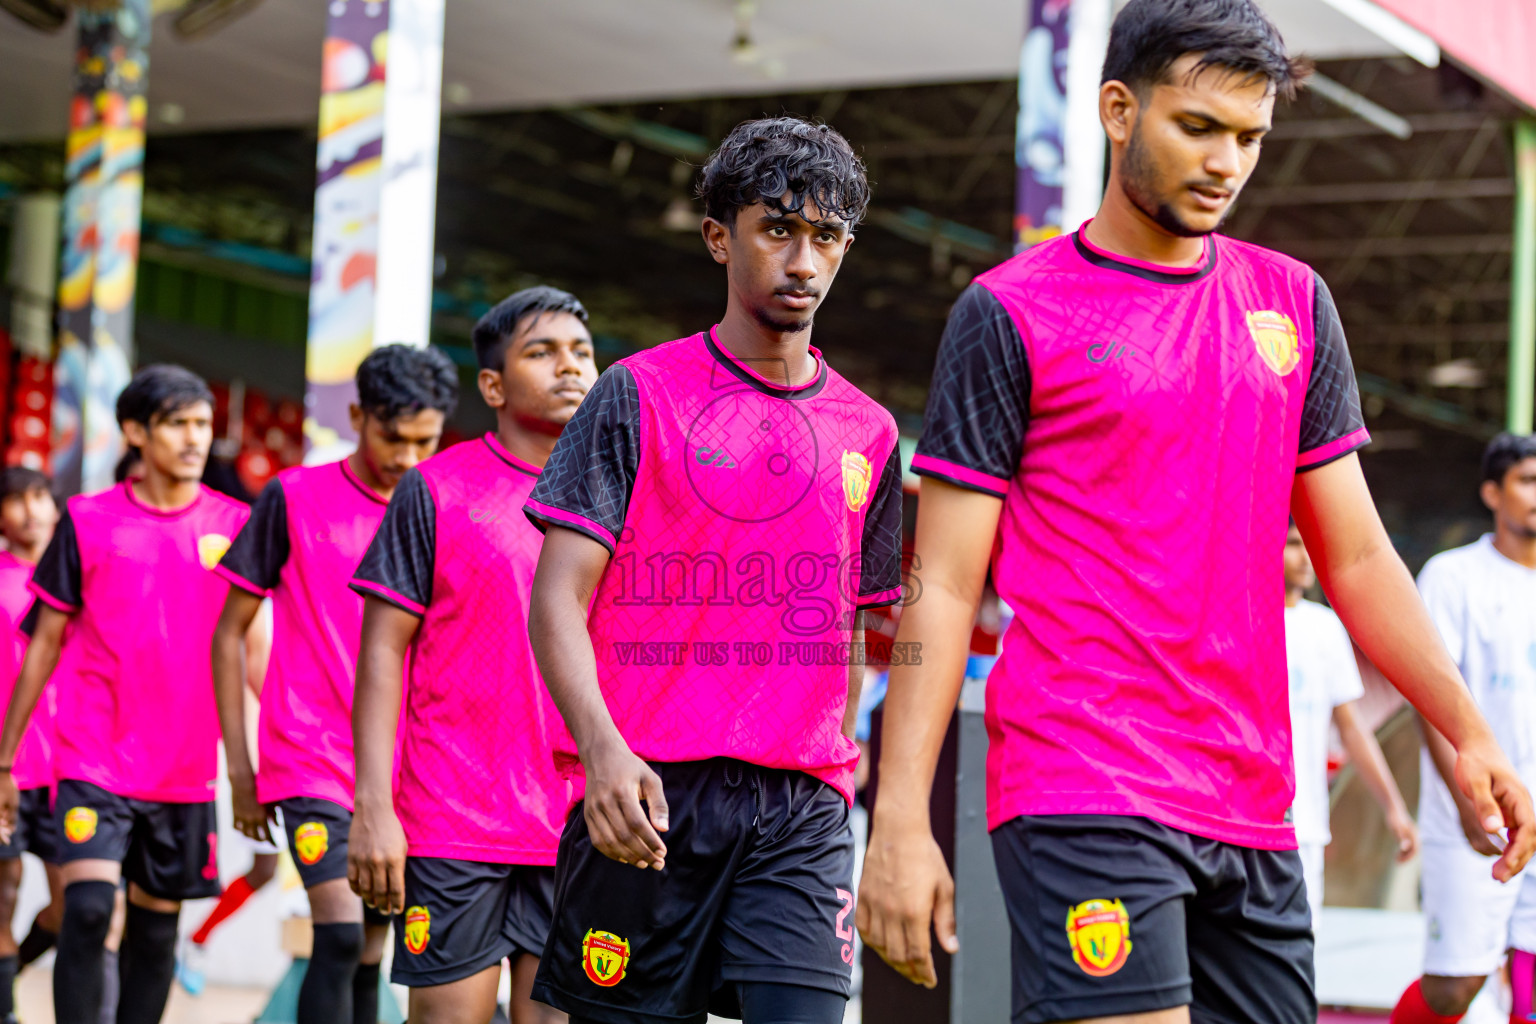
(344, 260)
(104, 187)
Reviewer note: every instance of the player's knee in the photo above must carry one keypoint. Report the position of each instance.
(1450, 997)
(10, 883)
(338, 943)
(88, 908)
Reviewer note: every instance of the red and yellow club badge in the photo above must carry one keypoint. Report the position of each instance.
(1274, 335)
(1100, 933)
(856, 478)
(604, 956)
(418, 929)
(310, 841)
(79, 824)
(211, 548)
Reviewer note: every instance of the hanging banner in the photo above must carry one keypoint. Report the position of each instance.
(1059, 147)
(375, 200)
(103, 195)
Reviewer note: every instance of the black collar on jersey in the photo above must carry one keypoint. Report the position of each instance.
(752, 380)
(1108, 262)
(506, 456)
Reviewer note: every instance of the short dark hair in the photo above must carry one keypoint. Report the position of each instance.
(497, 327)
(160, 390)
(1148, 36)
(398, 380)
(18, 481)
(1504, 452)
(761, 161)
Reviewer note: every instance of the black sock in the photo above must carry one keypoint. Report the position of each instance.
(326, 995)
(111, 986)
(38, 941)
(148, 965)
(365, 994)
(77, 972)
(7, 986)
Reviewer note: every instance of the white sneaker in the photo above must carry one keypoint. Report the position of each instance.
(190, 960)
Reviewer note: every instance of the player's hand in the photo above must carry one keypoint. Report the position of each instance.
(1407, 834)
(376, 850)
(906, 887)
(1498, 801)
(251, 816)
(617, 822)
(10, 800)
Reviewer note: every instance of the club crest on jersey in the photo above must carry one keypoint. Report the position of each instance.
(1274, 335)
(604, 956)
(1100, 933)
(418, 929)
(211, 548)
(856, 477)
(79, 824)
(310, 841)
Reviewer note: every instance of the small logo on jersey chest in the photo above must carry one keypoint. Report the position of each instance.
(604, 956)
(1100, 933)
(719, 458)
(483, 515)
(1104, 351)
(211, 548)
(418, 929)
(856, 478)
(1274, 335)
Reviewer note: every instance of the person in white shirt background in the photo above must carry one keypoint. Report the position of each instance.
(1325, 685)
(1482, 598)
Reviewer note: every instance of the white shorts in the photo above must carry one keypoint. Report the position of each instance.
(1470, 918)
(1312, 872)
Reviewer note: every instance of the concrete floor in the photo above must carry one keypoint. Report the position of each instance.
(34, 1003)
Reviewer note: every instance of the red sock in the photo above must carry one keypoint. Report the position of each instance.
(230, 900)
(1412, 1009)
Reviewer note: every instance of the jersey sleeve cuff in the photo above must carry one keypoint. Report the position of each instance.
(1333, 450)
(960, 476)
(368, 588)
(234, 579)
(51, 601)
(542, 515)
(881, 600)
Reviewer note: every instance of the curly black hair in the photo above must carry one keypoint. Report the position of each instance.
(763, 161)
(1504, 452)
(1148, 36)
(159, 390)
(398, 380)
(496, 328)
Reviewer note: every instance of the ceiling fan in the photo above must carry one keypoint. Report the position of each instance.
(190, 19)
(748, 52)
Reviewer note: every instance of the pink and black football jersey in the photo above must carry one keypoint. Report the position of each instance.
(308, 530)
(748, 522)
(477, 779)
(34, 758)
(1143, 426)
(134, 686)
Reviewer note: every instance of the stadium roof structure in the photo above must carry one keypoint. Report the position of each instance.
(263, 69)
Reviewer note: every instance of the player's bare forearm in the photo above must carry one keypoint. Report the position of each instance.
(856, 666)
(570, 566)
(1365, 754)
(955, 528)
(228, 655)
(1374, 595)
(386, 635)
(41, 658)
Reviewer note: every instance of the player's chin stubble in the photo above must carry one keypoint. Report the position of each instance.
(772, 323)
(1137, 176)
